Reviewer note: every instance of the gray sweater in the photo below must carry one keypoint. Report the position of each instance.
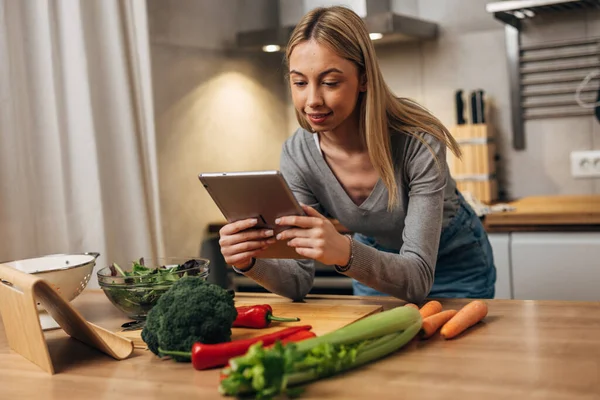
(427, 201)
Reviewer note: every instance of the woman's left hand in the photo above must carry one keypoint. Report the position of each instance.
(314, 236)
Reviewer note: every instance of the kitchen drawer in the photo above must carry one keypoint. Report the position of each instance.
(556, 265)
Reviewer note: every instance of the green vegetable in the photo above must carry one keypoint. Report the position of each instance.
(153, 275)
(192, 310)
(269, 372)
(143, 285)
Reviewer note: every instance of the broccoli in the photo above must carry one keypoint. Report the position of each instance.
(192, 310)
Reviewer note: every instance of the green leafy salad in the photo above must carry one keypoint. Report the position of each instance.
(142, 286)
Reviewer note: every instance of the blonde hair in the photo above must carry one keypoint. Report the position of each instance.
(380, 110)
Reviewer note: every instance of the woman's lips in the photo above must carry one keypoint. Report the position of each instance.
(318, 118)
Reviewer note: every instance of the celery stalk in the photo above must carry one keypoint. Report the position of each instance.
(373, 326)
(270, 371)
(378, 349)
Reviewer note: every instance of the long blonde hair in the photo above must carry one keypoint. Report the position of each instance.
(380, 110)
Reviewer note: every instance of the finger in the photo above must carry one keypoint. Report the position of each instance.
(292, 233)
(311, 212)
(237, 226)
(243, 257)
(300, 221)
(307, 243)
(246, 247)
(250, 235)
(309, 252)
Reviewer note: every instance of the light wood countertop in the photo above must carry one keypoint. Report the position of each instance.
(548, 213)
(534, 213)
(524, 350)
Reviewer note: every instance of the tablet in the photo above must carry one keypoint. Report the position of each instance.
(263, 195)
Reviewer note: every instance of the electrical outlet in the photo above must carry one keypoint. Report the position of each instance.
(585, 164)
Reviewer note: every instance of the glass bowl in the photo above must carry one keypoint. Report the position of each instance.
(145, 281)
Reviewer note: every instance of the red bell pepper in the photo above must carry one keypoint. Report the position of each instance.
(206, 356)
(296, 337)
(258, 316)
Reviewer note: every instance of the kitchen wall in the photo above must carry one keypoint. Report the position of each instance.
(216, 109)
(223, 109)
(470, 54)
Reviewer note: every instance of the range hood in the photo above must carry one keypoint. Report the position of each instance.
(512, 12)
(384, 25)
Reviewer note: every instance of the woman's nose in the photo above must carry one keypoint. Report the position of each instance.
(314, 98)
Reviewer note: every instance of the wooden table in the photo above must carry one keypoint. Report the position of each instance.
(524, 350)
(548, 213)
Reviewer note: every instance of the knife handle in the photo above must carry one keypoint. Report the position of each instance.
(477, 107)
(460, 107)
(481, 105)
(474, 115)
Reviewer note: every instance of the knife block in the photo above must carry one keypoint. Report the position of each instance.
(476, 171)
(18, 294)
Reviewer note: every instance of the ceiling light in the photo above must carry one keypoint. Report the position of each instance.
(271, 48)
(375, 36)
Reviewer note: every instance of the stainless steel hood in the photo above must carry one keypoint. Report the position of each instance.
(393, 26)
(512, 12)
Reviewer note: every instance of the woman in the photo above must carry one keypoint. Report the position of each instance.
(377, 164)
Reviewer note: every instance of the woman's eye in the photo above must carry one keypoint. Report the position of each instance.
(330, 83)
(299, 83)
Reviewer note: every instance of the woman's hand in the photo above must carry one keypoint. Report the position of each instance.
(314, 236)
(239, 243)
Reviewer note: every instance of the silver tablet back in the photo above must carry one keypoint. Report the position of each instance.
(264, 195)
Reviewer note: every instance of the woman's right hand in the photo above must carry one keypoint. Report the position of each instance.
(239, 243)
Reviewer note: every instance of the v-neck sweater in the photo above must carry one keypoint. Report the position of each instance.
(427, 202)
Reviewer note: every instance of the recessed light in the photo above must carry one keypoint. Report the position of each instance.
(375, 36)
(271, 48)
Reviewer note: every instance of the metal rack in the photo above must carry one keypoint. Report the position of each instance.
(543, 78)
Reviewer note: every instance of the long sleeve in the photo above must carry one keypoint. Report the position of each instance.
(409, 274)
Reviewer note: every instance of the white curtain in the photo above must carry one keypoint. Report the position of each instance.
(78, 169)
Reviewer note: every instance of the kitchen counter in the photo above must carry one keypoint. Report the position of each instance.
(548, 213)
(524, 349)
(534, 213)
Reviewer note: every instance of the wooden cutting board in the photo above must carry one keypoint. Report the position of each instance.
(323, 318)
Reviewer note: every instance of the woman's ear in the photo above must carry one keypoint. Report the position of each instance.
(363, 83)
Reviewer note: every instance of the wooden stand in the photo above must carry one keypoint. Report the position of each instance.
(18, 293)
(476, 172)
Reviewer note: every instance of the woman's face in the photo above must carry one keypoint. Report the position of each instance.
(325, 87)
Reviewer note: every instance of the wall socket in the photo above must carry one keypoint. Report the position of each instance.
(585, 164)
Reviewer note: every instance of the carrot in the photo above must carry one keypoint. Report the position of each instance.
(468, 316)
(416, 307)
(434, 322)
(430, 308)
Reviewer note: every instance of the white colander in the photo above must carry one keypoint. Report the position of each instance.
(68, 274)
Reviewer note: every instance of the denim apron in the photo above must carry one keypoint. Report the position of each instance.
(465, 263)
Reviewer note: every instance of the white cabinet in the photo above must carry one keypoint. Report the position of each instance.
(555, 265)
(501, 248)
